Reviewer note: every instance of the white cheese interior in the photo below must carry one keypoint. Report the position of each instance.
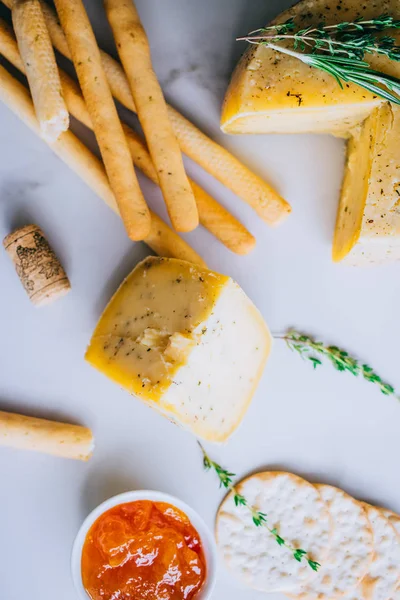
(212, 391)
(336, 120)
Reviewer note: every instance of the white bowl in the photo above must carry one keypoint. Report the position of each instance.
(207, 539)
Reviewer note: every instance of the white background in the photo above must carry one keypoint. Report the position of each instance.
(323, 425)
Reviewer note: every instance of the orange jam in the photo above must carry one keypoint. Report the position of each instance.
(143, 550)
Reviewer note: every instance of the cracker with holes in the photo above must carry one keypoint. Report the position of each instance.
(296, 509)
(383, 576)
(393, 518)
(395, 521)
(351, 550)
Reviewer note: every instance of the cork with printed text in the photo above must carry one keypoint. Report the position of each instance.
(37, 266)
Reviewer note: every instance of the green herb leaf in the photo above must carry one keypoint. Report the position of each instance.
(314, 565)
(259, 518)
(314, 351)
(299, 553)
(240, 500)
(316, 361)
(340, 50)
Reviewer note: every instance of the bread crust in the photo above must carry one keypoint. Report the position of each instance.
(161, 238)
(41, 435)
(212, 157)
(213, 216)
(134, 51)
(104, 117)
(41, 68)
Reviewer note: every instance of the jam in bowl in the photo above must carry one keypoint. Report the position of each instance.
(144, 544)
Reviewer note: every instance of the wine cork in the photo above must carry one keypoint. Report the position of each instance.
(37, 266)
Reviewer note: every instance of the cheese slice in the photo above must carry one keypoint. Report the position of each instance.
(368, 220)
(185, 340)
(271, 92)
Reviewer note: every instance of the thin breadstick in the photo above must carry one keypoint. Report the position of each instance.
(166, 242)
(212, 157)
(9, 47)
(162, 239)
(217, 161)
(41, 435)
(103, 114)
(227, 169)
(70, 88)
(221, 223)
(213, 215)
(134, 52)
(41, 68)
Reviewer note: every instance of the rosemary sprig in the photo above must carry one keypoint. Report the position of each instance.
(339, 50)
(313, 351)
(259, 518)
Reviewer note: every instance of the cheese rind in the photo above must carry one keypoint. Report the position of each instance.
(185, 340)
(355, 184)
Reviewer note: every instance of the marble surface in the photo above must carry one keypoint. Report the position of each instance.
(323, 425)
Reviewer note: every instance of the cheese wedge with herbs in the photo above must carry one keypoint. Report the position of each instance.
(271, 92)
(185, 340)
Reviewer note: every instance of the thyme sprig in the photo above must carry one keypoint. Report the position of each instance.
(314, 351)
(339, 50)
(259, 518)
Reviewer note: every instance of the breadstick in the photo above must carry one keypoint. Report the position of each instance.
(221, 223)
(41, 435)
(166, 242)
(9, 47)
(212, 157)
(213, 215)
(217, 161)
(103, 114)
(227, 169)
(41, 68)
(134, 51)
(85, 164)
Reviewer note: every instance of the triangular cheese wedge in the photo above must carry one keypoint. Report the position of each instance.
(185, 340)
(271, 92)
(368, 219)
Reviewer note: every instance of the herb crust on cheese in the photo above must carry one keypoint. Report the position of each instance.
(272, 92)
(185, 340)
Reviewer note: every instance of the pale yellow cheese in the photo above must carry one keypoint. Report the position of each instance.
(368, 221)
(186, 341)
(271, 92)
(355, 184)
